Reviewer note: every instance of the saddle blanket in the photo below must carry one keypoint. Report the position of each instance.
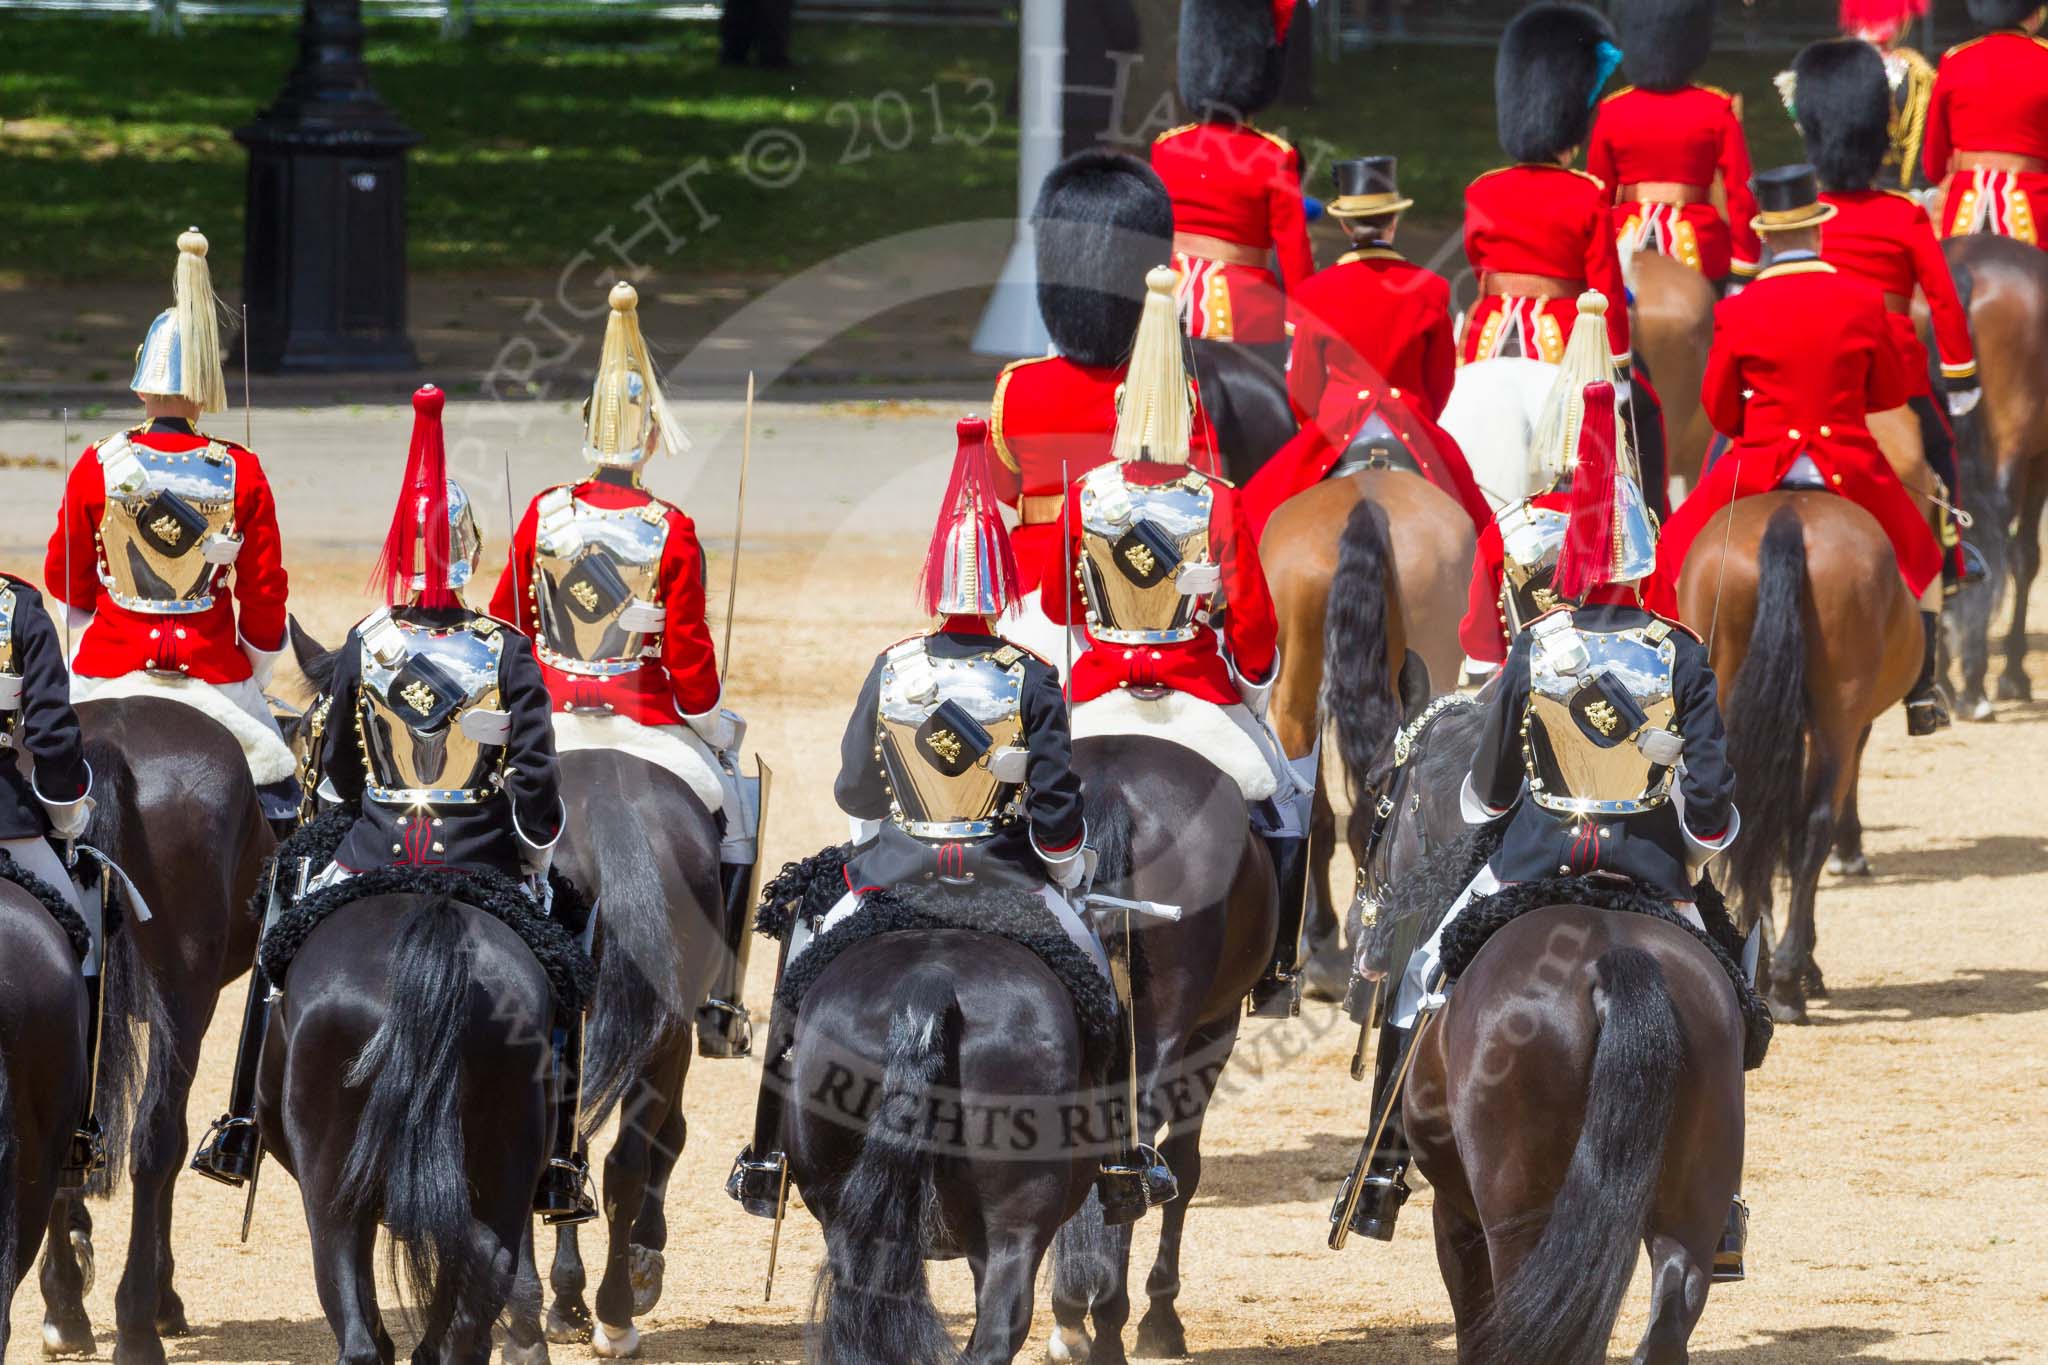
(673, 748)
(1230, 738)
(238, 707)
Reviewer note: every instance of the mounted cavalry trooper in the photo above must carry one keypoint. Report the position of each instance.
(1603, 746)
(1179, 622)
(1236, 190)
(158, 521)
(1662, 144)
(955, 769)
(437, 731)
(608, 581)
(1987, 126)
(1884, 24)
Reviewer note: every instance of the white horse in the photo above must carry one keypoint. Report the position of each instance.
(1493, 414)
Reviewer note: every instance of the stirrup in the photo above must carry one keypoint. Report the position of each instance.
(563, 1196)
(87, 1154)
(1138, 1181)
(1925, 715)
(724, 1029)
(1276, 995)
(758, 1183)
(1380, 1198)
(229, 1151)
(1728, 1257)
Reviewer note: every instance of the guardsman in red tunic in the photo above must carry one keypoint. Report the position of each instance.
(1102, 220)
(1236, 190)
(1662, 143)
(1538, 233)
(1884, 25)
(608, 580)
(1372, 357)
(1987, 125)
(1842, 99)
(1800, 360)
(161, 526)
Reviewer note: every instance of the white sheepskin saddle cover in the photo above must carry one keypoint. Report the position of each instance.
(1224, 737)
(1031, 628)
(675, 748)
(270, 758)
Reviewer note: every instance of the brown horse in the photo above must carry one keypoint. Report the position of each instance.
(1673, 328)
(2002, 452)
(1812, 636)
(1579, 1097)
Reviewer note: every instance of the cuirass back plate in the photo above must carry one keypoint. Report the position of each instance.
(410, 709)
(8, 603)
(939, 720)
(1133, 537)
(10, 666)
(589, 565)
(160, 509)
(1579, 736)
(1532, 538)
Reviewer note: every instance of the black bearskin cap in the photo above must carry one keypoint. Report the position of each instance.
(1547, 79)
(1665, 41)
(1231, 60)
(2002, 13)
(1103, 219)
(1844, 101)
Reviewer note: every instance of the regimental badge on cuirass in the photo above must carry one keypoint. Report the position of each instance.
(1134, 540)
(418, 682)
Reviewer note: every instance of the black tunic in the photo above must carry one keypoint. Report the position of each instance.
(1649, 848)
(479, 836)
(45, 727)
(1052, 803)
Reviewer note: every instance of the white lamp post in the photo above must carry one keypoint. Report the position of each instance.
(1010, 325)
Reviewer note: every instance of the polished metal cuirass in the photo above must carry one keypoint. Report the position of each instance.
(10, 666)
(938, 723)
(7, 609)
(1134, 538)
(590, 564)
(161, 510)
(1592, 694)
(1531, 539)
(417, 684)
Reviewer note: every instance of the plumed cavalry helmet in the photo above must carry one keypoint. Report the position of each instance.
(1553, 61)
(180, 356)
(433, 545)
(1232, 55)
(1880, 21)
(1666, 41)
(1610, 536)
(2002, 13)
(627, 417)
(1156, 409)
(1588, 359)
(1102, 220)
(970, 569)
(1842, 99)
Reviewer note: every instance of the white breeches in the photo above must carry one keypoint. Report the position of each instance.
(1062, 910)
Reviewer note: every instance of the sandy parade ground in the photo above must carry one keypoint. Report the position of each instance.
(1894, 1164)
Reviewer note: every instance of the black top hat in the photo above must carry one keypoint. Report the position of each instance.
(1367, 188)
(1789, 198)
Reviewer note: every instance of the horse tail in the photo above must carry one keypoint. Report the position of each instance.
(1559, 1305)
(1108, 819)
(1358, 687)
(10, 1164)
(407, 1161)
(639, 1001)
(878, 1303)
(1769, 713)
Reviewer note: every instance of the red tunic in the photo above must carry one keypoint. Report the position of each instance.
(680, 676)
(1885, 239)
(1541, 220)
(1687, 137)
(1052, 418)
(203, 645)
(1232, 182)
(1991, 95)
(1799, 361)
(1196, 666)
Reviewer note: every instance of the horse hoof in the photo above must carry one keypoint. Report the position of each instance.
(568, 1324)
(81, 1252)
(1162, 1337)
(1978, 712)
(1789, 1011)
(1812, 984)
(1327, 976)
(615, 1343)
(1069, 1346)
(68, 1340)
(2015, 687)
(536, 1354)
(1858, 866)
(645, 1274)
(141, 1351)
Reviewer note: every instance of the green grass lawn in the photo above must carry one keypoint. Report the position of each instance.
(540, 135)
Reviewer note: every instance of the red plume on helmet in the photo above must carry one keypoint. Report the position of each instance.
(970, 569)
(419, 524)
(1283, 18)
(1588, 555)
(1880, 20)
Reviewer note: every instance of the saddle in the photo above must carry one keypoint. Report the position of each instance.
(1376, 447)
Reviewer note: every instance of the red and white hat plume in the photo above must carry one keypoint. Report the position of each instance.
(970, 569)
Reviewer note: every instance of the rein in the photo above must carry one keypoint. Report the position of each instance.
(1407, 744)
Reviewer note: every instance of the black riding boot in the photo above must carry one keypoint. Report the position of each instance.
(760, 1173)
(1734, 1241)
(1277, 994)
(233, 1147)
(564, 1193)
(1385, 1185)
(724, 1028)
(1138, 1178)
(1925, 711)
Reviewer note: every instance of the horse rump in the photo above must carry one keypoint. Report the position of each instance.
(876, 1301)
(1769, 712)
(1560, 1303)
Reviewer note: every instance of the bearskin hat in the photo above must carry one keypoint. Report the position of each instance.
(1664, 42)
(1845, 110)
(2002, 13)
(1103, 219)
(1553, 61)
(1232, 57)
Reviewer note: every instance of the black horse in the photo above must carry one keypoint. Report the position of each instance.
(931, 1071)
(1246, 400)
(1172, 829)
(178, 811)
(42, 1077)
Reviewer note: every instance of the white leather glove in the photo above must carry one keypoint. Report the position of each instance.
(1199, 579)
(718, 729)
(262, 662)
(642, 618)
(1068, 869)
(535, 862)
(1009, 764)
(487, 727)
(1257, 696)
(220, 549)
(68, 818)
(1963, 402)
(10, 691)
(1661, 747)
